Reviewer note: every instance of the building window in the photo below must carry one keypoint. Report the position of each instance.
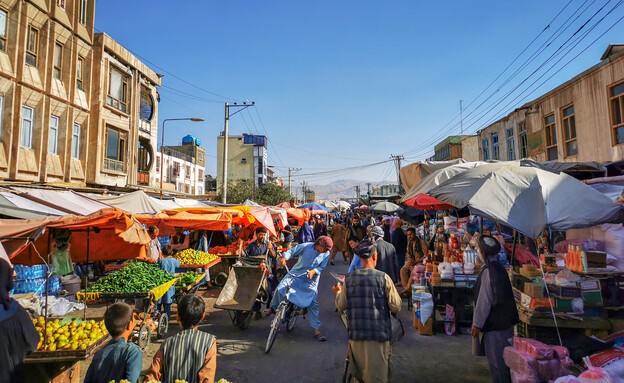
(76, 141)
(617, 112)
(79, 72)
(243, 161)
(53, 136)
(58, 59)
(551, 137)
(147, 105)
(486, 149)
(176, 169)
(115, 150)
(524, 141)
(158, 164)
(569, 131)
(187, 172)
(82, 12)
(117, 90)
(61, 3)
(495, 150)
(32, 42)
(3, 29)
(511, 147)
(28, 115)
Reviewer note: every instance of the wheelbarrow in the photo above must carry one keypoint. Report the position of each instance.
(244, 291)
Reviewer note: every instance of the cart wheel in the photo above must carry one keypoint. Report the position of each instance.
(242, 319)
(144, 336)
(263, 296)
(277, 320)
(220, 279)
(163, 326)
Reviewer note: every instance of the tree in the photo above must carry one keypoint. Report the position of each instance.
(237, 192)
(271, 194)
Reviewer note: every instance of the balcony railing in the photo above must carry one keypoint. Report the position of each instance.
(143, 178)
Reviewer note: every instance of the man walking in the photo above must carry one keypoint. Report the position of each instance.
(338, 235)
(369, 296)
(386, 255)
(320, 228)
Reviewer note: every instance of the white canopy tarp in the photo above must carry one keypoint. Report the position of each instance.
(64, 200)
(14, 206)
(413, 174)
(136, 202)
(185, 202)
(439, 176)
(527, 197)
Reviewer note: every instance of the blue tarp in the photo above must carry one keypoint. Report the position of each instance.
(313, 206)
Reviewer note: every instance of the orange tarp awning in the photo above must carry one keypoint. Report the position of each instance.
(241, 215)
(168, 220)
(300, 215)
(119, 236)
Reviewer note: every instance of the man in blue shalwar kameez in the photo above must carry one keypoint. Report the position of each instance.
(313, 258)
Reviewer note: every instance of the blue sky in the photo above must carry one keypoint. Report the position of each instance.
(340, 84)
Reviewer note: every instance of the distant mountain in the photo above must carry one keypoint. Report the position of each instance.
(341, 189)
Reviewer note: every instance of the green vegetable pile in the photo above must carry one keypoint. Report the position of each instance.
(138, 277)
(187, 279)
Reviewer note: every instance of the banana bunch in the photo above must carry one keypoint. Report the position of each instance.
(187, 257)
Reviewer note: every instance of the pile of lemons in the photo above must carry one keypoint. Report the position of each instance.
(187, 257)
(75, 335)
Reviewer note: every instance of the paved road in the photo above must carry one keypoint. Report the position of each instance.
(298, 357)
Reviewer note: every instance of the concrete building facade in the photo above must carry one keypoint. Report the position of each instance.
(72, 103)
(580, 120)
(247, 158)
(181, 172)
(454, 147)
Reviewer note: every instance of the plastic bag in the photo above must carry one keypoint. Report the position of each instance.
(534, 348)
(610, 361)
(595, 375)
(61, 262)
(567, 379)
(520, 362)
(423, 306)
(548, 369)
(517, 377)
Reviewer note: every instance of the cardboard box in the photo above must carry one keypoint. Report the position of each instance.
(597, 259)
(530, 271)
(592, 298)
(588, 284)
(564, 292)
(537, 304)
(534, 290)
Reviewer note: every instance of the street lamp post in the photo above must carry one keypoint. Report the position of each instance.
(162, 146)
(224, 177)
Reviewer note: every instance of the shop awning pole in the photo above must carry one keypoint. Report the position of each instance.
(86, 277)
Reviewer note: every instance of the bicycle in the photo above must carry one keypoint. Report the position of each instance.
(287, 312)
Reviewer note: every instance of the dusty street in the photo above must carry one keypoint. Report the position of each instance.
(297, 356)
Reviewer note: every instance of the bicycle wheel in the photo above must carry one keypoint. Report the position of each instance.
(292, 319)
(277, 320)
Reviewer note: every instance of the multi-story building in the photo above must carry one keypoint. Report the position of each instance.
(124, 131)
(454, 147)
(247, 158)
(184, 167)
(46, 62)
(580, 120)
(73, 104)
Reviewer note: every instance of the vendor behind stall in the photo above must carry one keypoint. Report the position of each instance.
(179, 241)
(169, 264)
(153, 248)
(259, 247)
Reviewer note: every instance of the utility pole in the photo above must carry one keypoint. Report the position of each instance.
(397, 164)
(289, 171)
(357, 193)
(461, 116)
(224, 177)
(368, 184)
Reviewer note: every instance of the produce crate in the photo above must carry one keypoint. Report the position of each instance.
(206, 266)
(67, 355)
(546, 335)
(198, 280)
(156, 293)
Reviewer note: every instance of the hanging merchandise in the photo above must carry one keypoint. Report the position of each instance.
(61, 261)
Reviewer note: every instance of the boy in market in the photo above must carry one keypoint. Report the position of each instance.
(119, 359)
(169, 264)
(191, 355)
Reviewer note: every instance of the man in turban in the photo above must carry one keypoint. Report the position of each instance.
(369, 297)
(313, 258)
(386, 254)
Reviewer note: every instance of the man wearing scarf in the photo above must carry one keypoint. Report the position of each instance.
(369, 296)
(386, 254)
(313, 258)
(495, 313)
(416, 251)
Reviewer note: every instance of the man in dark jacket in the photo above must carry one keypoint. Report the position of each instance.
(385, 225)
(386, 255)
(495, 313)
(399, 241)
(369, 296)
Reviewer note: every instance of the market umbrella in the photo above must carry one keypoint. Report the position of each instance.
(313, 206)
(343, 205)
(330, 205)
(363, 208)
(425, 202)
(527, 197)
(385, 207)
